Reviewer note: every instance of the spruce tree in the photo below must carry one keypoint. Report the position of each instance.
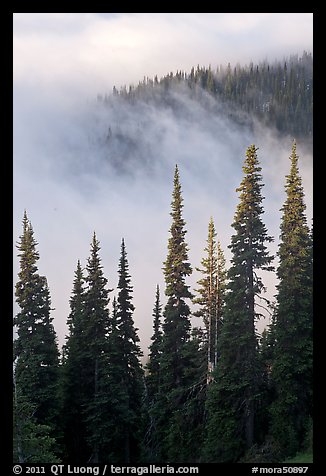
(116, 408)
(232, 397)
(179, 359)
(126, 371)
(95, 354)
(36, 356)
(293, 351)
(221, 295)
(153, 383)
(176, 326)
(33, 442)
(211, 295)
(74, 390)
(153, 366)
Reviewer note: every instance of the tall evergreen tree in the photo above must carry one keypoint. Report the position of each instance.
(130, 384)
(74, 390)
(155, 349)
(221, 295)
(232, 397)
(179, 369)
(36, 356)
(153, 383)
(211, 294)
(293, 352)
(117, 409)
(95, 351)
(176, 326)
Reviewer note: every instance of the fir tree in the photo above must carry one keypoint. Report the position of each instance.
(211, 294)
(95, 350)
(153, 366)
(127, 368)
(176, 326)
(153, 382)
(221, 295)
(179, 369)
(36, 356)
(293, 352)
(74, 390)
(33, 441)
(232, 398)
(116, 410)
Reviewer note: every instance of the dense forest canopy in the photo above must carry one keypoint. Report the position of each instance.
(279, 94)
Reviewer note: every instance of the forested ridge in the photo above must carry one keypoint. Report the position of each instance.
(216, 393)
(278, 94)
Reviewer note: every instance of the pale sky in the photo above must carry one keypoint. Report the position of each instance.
(91, 52)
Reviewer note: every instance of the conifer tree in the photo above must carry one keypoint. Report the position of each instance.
(176, 326)
(115, 411)
(33, 442)
(232, 397)
(179, 366)
(293, 351)
(153, 383)
(36, 356)
(74, 390)
(128, 381)
(153, 366)
(211, 294)
(95, 352)
(221, 296)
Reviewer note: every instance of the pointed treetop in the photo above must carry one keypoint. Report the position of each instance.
(294, 157)
(177, 201)
(293, 179)
(176, 170)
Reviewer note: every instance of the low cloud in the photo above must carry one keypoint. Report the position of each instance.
(81, 166)
(74, 178)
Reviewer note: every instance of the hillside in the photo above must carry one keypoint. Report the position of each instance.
(278, 94)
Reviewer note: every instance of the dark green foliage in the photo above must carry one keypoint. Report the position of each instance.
(95, 349)
(32, 442)
(232, 397)
(36, 356)
(278, 94)
(153, 397)
(155, 350)
(293, 352)
(85, 381)
(176, 326)
(116, 410)
(178, 410)
(73, 375)
(125, 373)
(266, 393)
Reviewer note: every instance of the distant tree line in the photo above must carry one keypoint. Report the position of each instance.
(216, 393)
(278, 94)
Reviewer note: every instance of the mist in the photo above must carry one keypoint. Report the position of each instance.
(74, 178)
(81, 165)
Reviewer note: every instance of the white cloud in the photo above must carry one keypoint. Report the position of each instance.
(89, 52)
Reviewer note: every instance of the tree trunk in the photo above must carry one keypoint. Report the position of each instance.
(250, 420)
(20, 453)
(250, 408)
